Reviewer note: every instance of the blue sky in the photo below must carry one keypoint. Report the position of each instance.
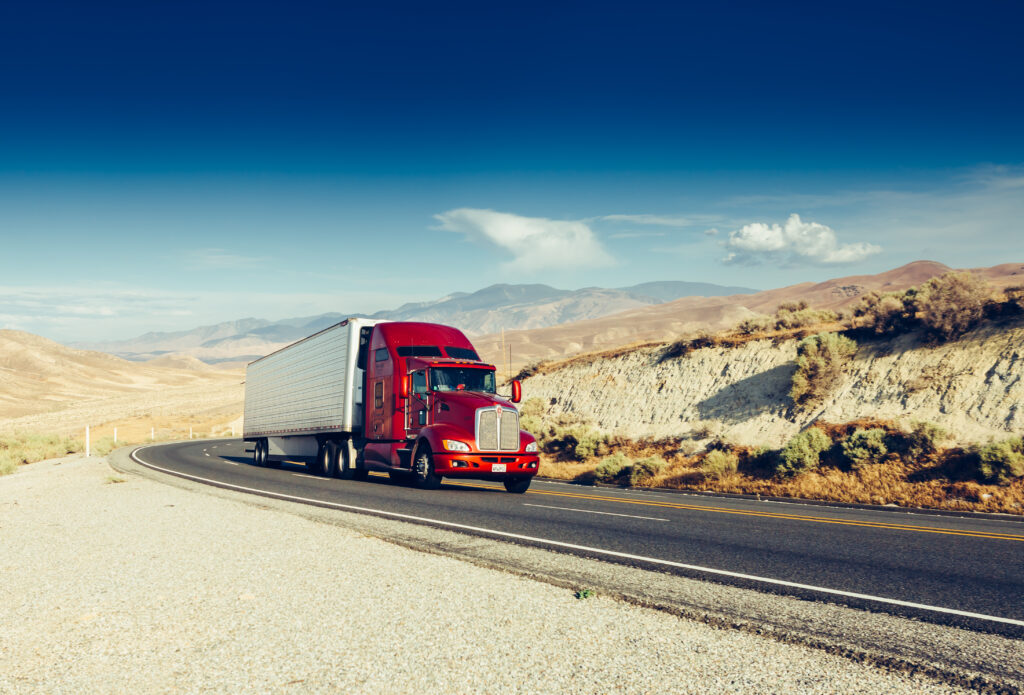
(165, 165)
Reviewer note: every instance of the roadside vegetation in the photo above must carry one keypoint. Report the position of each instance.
(20, 448)
(865, 461)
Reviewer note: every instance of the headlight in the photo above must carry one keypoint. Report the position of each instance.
(532, 446)
(452, 445)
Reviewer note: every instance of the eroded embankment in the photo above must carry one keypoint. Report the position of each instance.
(972, 386)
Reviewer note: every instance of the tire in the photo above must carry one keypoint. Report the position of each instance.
(327, 465)
(517, 485)
(321, 463)
(423, 469)
(341, 463)
(257, 453)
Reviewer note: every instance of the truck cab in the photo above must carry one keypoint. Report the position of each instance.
(432, 409)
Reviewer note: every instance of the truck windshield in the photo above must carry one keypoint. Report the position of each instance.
(461, 379)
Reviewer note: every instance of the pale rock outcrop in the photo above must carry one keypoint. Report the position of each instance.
(973, 387)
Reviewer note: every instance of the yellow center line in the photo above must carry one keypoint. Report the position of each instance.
(768, 515)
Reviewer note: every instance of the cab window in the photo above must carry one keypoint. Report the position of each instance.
(419, 383)
(460, 379)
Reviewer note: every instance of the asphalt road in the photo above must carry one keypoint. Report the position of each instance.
(959, 571)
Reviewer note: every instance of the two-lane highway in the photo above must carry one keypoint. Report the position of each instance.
(953, 570)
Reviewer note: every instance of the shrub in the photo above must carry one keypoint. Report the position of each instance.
(803, 452)
(792, 306)
(924, 439)
(719, 463)
(951, 305)
(884, 313)
(864, 446)
(819, 364)
(755, 324)
(644, 469)
(587, 445)
(803, 317)
(763, 458)
(1000, 462)
(611, 468)
(21, 448)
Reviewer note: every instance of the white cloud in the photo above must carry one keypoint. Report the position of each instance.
(661, 220)
(794, 243)
(535, 242)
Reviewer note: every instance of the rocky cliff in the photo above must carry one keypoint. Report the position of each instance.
(973, 387)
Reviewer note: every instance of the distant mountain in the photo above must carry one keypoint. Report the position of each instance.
(686, 316)
(489, 310)
(667, 291)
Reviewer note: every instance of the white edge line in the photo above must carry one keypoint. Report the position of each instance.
(303, 475)
(600, 551)
(591, 511)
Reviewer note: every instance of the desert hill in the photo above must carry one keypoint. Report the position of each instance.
(686, 316)
(38, 376)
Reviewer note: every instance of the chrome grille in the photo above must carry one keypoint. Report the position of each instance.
(509, 430)
(487, 430)
(497, 430)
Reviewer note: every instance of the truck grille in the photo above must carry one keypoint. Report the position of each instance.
(497, 430)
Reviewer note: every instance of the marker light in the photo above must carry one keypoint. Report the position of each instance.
(452, 445)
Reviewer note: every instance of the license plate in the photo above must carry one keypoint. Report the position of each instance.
(497, 468)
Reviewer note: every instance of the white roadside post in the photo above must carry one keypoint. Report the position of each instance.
(190, 433)
(115, 435)
(152, 434)
(87, 441)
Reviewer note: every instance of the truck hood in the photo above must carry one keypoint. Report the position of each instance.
(462, 406)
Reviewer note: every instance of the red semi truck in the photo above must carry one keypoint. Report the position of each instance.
(411, 399)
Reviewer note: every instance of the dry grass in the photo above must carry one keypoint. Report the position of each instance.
(922, 484)
(27, 446)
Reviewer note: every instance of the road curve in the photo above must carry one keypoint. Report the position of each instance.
(961, 571)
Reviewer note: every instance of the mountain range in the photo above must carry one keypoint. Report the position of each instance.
(489, 310)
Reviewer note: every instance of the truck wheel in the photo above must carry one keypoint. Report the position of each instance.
(257, 453)
(340, 460)
(517, 485)
(423, 469)
(322, 463)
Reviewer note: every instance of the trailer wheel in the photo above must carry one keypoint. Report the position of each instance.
(340, 461)
(423, 469)
(257, 453)
(322, 462)
(517, 485)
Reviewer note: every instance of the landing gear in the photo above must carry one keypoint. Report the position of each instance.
(423, 469)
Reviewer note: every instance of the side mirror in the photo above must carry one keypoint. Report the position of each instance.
(517, 391)
(403, 387)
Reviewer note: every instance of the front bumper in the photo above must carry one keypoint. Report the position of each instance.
(503, 464)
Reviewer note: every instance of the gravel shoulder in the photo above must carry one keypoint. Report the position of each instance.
(143, 586)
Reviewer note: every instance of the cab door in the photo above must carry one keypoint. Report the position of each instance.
(419, 403)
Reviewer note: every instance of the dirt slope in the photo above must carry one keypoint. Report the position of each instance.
(974, 387)
(40, 376)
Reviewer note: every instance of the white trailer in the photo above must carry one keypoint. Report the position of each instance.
(302, 392)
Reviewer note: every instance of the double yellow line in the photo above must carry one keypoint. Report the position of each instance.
(767, 515)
